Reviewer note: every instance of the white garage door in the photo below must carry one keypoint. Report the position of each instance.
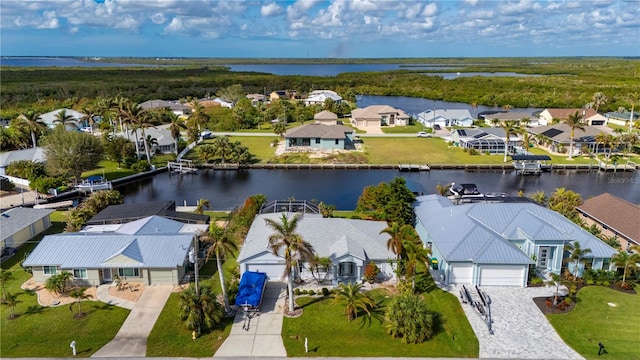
(273, 271)
(461, 274)
(502, 275)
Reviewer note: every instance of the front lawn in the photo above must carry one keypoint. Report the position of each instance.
(594, 321)
(409, 129)
(330, 334)
(259, 146)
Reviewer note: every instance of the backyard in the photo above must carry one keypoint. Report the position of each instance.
(602, 315)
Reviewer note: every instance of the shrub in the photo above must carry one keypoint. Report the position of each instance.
(43, 184)
(141, 166)
(473, 152)
(536, 281)
(311, 292)
(371, 271)
(410, 319)
(297, 291)
(325, 291)
(590, 282)
(606, 283)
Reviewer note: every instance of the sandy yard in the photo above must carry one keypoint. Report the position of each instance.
(131, 292)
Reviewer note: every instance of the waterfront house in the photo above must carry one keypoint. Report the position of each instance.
(256, 99)
(379, 115)
(445, 117)
(174, 106)
(165, 142)
(349, 244)
(485, 140)
(318, 97)
(326, 117)
(559, 137)
(589, 116)
(152, 250)
(493, 244)
(19, 225)
(622, 118)
(124, 213)
(32, 154)
(75, 123)
(616, 218)
(319, 136)
(521, 119)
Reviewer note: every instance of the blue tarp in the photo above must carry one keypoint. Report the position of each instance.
(251, 288)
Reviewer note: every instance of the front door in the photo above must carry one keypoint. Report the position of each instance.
(543, 256)
(106, 275)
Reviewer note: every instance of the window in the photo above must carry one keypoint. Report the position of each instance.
(337, 141)
(80, 273)
(131, 272)
(606, 263)
(49, 270)
(347, 269)
(317, 140)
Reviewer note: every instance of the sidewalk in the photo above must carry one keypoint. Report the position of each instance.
(131, 340)
(102, 292)
(263, 337)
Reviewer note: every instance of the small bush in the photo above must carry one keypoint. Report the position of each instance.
(297, 291)
(311, 292)
(325, 291)
(536, 281)
(473, 152)
(590, 282)
(141, 166)
(371, 271)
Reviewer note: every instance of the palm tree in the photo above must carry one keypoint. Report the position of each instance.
(221, 245)
(633, 99)
(175, 126)
(598, 99)
(395, 240)
(442, 190)
(207, 152)
(510, 127)
(150, 142)
(576, 256)
(66, 120)
(136, 117)
(239, 153)
(354, 300)
(294, 249)
(79, 295)
(539, 198)
(556, 281)
(223, 148)
(474, 106)
(280, 128)
(199, 310)
(89, 112)
(627, 261)
(202, 203)
(416, 254)
(31, 121)
(198, 117)
(5, 278)
(11, 300)
(574, 121)
(607, 142)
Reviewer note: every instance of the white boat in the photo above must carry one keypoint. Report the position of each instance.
(465, 191)
(94, 183)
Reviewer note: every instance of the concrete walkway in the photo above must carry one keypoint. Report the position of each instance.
(263, 337)
(131, 340)
(102, 292)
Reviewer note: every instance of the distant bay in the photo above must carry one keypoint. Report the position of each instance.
(28, 61)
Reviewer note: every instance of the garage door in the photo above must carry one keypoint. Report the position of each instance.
(502, 275)
(273, 271)
(461, 274)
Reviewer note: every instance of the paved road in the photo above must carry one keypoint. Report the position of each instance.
(131, 340)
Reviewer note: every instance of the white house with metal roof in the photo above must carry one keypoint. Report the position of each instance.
(488, 244)
(152, 250)
(19, 225)
(349, 244)
(445, 117)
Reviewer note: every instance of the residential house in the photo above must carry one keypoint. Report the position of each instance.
(283, 94)
(152, 250)
(326, 117)
(165, 142)
(124, 213)
(221, 102)
(349, 244)
(559, 136)
(445, 117)
(616, 217)
(76, 122)
(174, 106)
(485, 140)
(318, 97)
(493, 244)
(256, 99)
(19, 225)
(521, 119)
(320, 136)
(379, 115)
(622, 118)
(32, 154)
(589, 116)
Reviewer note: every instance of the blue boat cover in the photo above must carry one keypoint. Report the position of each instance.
(251, 288)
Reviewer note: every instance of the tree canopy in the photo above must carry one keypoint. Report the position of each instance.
(388, 201)
(70, 153)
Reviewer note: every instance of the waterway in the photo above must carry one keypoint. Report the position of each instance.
(228, 189)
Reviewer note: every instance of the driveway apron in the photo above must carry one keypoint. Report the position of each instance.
(131, 340)
(261, 334)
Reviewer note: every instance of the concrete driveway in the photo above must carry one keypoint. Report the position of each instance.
(260, 335)
(131, 340)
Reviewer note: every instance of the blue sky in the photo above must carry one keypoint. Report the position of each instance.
(319, 28)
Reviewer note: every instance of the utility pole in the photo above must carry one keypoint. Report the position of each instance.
(193, 258)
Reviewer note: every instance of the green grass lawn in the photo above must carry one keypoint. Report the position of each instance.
(109, 169)
(330, 334)
(47, 332)
(593, 321)
(409, 129)
(259, 147)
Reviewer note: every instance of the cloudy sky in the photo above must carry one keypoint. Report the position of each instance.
(319, 28)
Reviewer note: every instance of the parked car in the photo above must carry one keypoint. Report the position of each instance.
(206, 134)
(424, 134)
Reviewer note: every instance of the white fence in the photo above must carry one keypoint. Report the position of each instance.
(187, 149)
(18, 181)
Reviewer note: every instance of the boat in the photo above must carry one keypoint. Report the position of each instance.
(94, 183)
(465, 191)
(531, 164)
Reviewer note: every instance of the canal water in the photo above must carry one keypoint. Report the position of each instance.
(228, 189)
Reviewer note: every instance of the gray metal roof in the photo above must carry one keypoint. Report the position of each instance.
(16, 219)
(31, 154)
(86, 250)
(481, 231)
(319, 131)
(151, 225)
(329, 237)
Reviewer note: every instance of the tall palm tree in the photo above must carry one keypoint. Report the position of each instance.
(574, 121)
(416, 254)
(79, 295)
(199, 309)
(89, 113)
(221, 246)
(353, 299)
(198, 117)
(176, 125)
(633, 98)
(395, 238)
(627, 261)
(65, 119)
(33, 123)
(11, 300)
(598, 99)
(576, 256)
(202, 204)
(239, 153)
(607, 142)
(286, 242)
(139, 119)
(150, 142)
(510, 127)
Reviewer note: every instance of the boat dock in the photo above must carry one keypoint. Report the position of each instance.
(182, 167)
(413, 167)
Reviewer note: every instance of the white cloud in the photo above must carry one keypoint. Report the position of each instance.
(158, 18)
(175, 26)
(471, 2)
(430, 10)
(270, 9)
